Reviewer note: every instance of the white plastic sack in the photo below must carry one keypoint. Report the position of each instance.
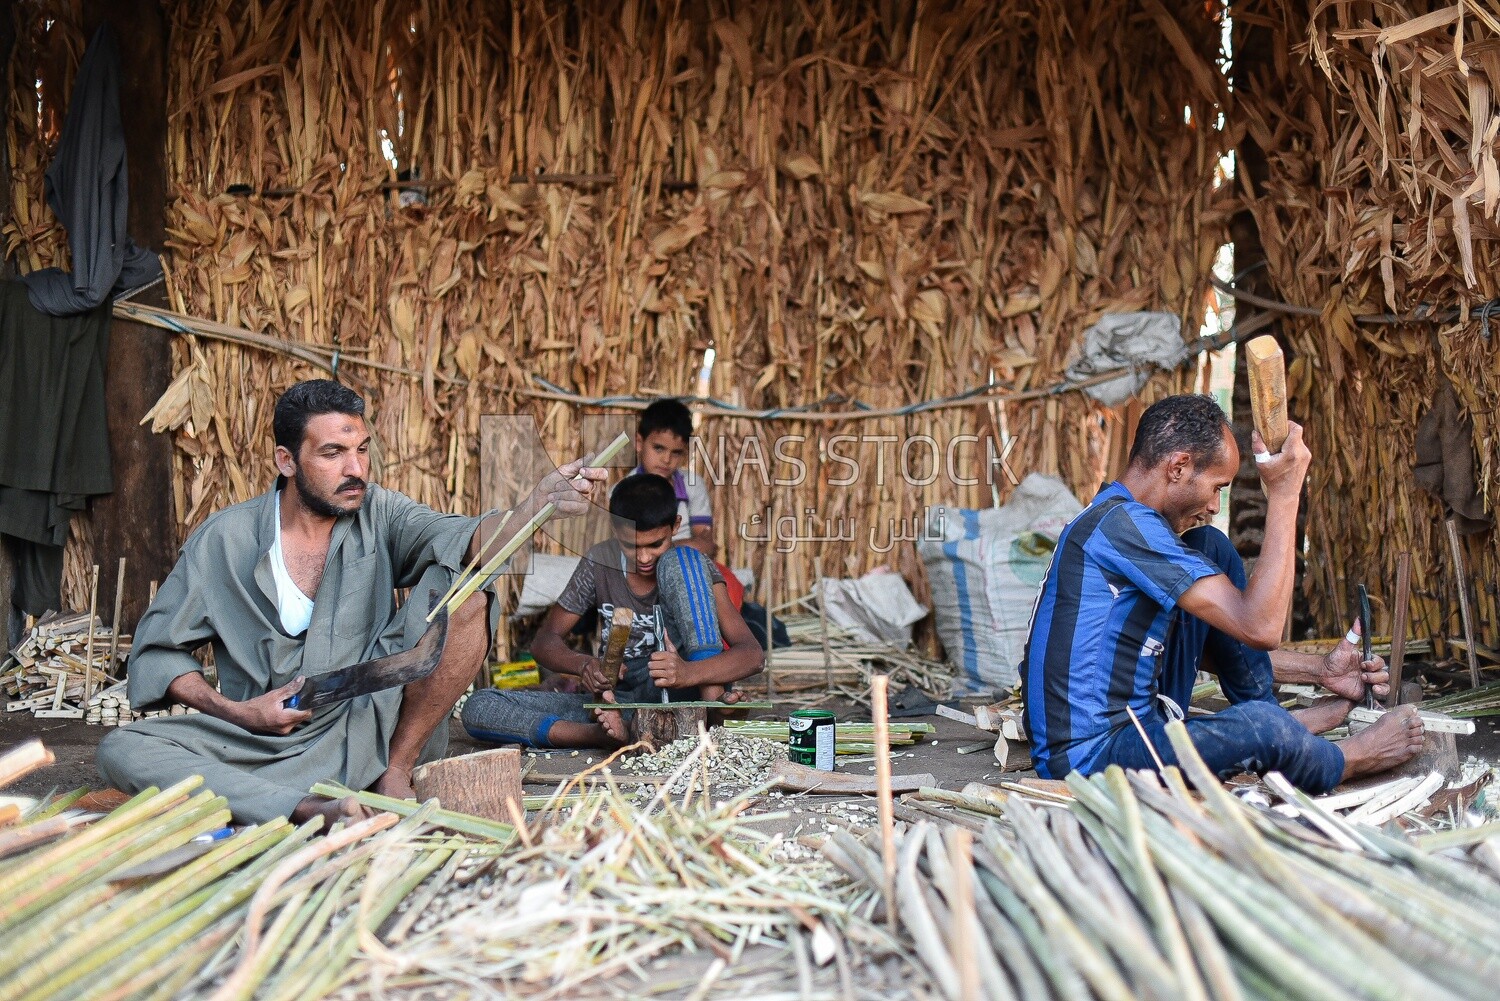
(985, 568)
(544, 585)
(1142, 342)
(875, 608)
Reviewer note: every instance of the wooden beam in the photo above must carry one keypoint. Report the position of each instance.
(137, 521)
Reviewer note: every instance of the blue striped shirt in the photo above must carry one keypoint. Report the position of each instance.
(1102, 623)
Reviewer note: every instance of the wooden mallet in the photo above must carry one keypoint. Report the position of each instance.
(1267, 372)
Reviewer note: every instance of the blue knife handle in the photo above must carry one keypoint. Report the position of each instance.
(295, 702)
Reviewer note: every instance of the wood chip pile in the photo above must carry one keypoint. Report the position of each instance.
(62, 650)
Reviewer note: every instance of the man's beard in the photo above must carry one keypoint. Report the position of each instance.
(321, 505)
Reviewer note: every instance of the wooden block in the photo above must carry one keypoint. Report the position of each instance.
(478, 783)
(23, 760)
(59, 713)
(1431, 721)
(1012, 755)
(1267, 372)
(659, 726)
(800, 778)
(957, 716)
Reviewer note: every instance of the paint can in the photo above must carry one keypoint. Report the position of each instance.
(812, 738)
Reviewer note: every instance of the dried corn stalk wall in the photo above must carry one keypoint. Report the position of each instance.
(1378, 123)
(885, 202)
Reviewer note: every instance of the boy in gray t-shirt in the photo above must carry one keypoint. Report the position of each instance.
(615, 573)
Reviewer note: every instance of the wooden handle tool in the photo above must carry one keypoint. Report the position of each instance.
(1267, 371)
(619, 637)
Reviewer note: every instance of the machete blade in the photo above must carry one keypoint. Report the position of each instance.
(376, 675)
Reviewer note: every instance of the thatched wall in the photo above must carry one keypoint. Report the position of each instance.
(877, 202)
(1382, 198)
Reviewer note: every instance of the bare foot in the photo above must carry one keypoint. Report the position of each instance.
(1386, 743)
(614, 725)
(395, 783)
(332, 811)
(1324, 714)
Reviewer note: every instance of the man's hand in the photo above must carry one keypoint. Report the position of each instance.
(1281, 475)
(669, 671)
(266, 714)
(594, 678)
(1345, 675)
(559, 488)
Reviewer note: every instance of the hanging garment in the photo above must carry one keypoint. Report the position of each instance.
(54, 438)
(87, 191)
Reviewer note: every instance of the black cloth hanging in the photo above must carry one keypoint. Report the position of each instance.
(87, 191)
(54, 436)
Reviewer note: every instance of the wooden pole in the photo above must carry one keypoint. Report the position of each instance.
(766, 596)
(114, 624)
(879, 690)
(88, 648)
(1461, 578)
(823, 623)
(136, 519)
(1399, 627)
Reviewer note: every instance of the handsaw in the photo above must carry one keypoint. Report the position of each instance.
(377, 675)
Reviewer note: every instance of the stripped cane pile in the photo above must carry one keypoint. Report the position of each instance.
(1140, 890)
(591, 892)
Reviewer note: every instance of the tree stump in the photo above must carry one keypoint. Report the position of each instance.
(659, 727)
(478, 783)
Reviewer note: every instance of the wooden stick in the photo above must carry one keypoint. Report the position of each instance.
(1399, 626)
(114, 638)
(23, 760)
(1147, 741)
(823, 622)
(1431, 722)
(766, 591)
(463, 574)
(801, 778)
(461, 592)
(88, 650)
(1461, 577)
(961, 861)
(879, 686)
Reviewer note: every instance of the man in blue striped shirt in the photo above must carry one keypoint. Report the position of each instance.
(1143, 593)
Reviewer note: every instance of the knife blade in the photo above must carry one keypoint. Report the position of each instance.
(175, 858)
(1365, 641)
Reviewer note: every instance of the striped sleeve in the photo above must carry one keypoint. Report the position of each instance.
(1136, 543)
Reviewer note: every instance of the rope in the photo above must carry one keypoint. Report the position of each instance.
(335, 362)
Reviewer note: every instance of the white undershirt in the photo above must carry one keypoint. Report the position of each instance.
(294, 607)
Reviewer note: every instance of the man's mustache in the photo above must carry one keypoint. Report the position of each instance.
(352, 482)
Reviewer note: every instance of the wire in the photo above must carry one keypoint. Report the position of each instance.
(1422, 314)
(335, 362)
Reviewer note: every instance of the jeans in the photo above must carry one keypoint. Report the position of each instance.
(1254, 734)
(1247, 737)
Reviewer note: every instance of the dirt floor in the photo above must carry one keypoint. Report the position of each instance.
(73, 743)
